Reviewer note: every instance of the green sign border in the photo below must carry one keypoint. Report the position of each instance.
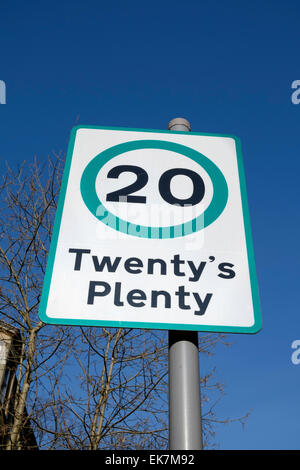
(93, 203)
(145, 325)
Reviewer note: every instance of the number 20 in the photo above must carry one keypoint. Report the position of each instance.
(164, 185)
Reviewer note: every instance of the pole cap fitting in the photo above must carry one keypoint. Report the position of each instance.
(179, 124)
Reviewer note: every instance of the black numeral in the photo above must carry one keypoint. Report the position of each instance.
(165, 189)
(164, 185)
(141, 181)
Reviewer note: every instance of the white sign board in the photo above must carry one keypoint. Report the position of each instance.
(152, 231)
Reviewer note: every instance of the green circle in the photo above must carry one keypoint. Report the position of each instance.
(95, 206)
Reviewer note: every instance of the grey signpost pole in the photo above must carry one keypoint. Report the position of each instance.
(185, 430)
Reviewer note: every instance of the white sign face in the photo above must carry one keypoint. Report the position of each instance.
(152, 231)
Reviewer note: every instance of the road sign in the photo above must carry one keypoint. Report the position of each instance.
(152, 231)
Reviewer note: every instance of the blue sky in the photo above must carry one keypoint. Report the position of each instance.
(228, 68)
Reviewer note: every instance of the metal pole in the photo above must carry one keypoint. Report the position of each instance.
(185, 430)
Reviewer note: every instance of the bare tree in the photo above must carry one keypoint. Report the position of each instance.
(80, 388)
(117, 402)
(26, 215)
